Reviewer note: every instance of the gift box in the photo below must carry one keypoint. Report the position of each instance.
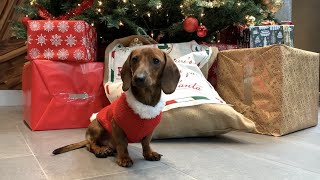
(212, 72)
(61, 95)
(230, 34)
(61, 40)
(276, 86)
(261, 36)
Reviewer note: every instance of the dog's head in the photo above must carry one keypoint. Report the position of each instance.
(149, 67)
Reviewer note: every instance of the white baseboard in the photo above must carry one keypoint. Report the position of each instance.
(11, 98)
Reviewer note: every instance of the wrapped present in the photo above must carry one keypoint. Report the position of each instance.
(61, 40)
(261, 36)
(60, 95)
(275, 86)
(212, 72)
(230, 34)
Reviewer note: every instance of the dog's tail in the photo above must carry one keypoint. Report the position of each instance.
(70, 147)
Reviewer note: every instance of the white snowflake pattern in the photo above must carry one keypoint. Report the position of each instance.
(29, 39)
(34, 53)
(41, 39)
(79, 27)
(88, 55)
(48, 53)
(63, 26)
(71, 40)
(56, 40)
(78, 54)
(90, 34)
(84, 42)
(48, 26)
(63, 54)
(34, 26)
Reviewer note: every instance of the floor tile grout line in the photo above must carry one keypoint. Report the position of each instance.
(269, 160)
(169, 166)
(18, 156)
(180, 171)
(137, 170)
(25, 140)
(115, 173)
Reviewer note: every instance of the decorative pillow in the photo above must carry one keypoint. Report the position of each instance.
(195, 109)
(201, 120)
(188, 52)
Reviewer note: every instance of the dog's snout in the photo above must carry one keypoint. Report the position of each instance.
(140, 79)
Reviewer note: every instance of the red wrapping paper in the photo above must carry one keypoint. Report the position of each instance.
(61, 40)
(61, 95)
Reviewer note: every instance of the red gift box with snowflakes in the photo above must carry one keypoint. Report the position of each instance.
(70, 40)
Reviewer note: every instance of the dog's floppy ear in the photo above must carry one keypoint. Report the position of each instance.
(170, 75)
(126, 74)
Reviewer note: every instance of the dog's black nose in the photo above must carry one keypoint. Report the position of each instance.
(140, 78)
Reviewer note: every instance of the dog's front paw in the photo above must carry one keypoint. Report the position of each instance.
(125, 162)
(152, 156)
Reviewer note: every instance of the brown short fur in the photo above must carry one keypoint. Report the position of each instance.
(158, 72)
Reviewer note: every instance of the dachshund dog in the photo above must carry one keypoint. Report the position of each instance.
(146, 75)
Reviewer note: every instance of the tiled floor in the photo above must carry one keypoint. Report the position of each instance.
(27, 155)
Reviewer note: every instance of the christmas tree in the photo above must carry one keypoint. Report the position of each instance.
(164, 20)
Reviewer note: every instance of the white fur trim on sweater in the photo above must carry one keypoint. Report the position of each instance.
(93, 116)
(145, 111)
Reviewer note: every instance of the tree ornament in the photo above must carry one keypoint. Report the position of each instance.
(251, 20)
(277, 5)
(202, 31)
(273, 5)
(190, 24)
(265, 2)
(25, 20)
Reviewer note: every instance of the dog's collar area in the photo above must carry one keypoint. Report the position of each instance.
(145, 111)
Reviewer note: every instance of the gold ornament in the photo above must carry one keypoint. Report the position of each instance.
(277, 5)
(251, 20)
(265, 2)
(273, 5)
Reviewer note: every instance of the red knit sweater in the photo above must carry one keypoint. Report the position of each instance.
(133, 126)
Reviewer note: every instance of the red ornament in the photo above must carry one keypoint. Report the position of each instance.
(190, 24)
(25, 20)
(202, 31)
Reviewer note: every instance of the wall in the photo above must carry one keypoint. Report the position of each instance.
(306, 18)
(285, 13)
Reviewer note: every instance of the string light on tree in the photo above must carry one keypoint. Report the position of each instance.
(32, 2)
(170, 17)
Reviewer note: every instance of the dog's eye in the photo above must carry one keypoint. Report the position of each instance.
(156, 61)
(134, 59)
